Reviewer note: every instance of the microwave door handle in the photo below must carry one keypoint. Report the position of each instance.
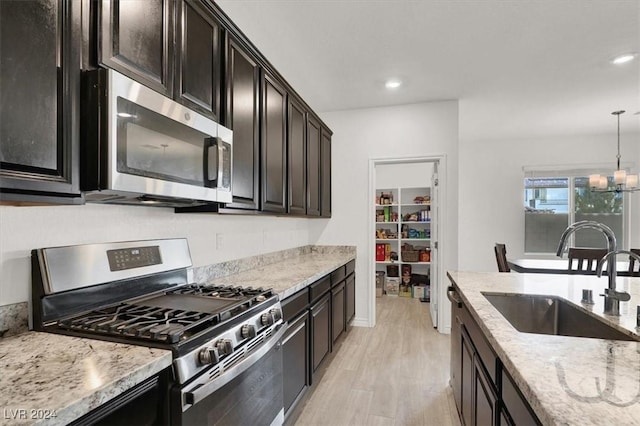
(220, 160)
(211, 156)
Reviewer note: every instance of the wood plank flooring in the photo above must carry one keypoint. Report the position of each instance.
(396, 373)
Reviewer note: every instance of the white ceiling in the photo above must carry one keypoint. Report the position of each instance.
(520, 69)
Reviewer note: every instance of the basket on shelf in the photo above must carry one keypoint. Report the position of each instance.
(409, 254)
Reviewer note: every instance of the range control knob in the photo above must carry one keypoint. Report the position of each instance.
(267, 319)
(276, 314)
(224, 347)
(207, 356)
(247, 331)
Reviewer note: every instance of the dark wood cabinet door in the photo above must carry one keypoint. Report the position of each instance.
(39, 101)
(485, 397)
(295, 358)
(350, 296)
(313, 165)
(198, 50)
(337, 310)
(297, 161)
(325, 173)
(136, 39)
(273, 170)
(456, 357)
(467, 379)
(243, 78)
(320, 332)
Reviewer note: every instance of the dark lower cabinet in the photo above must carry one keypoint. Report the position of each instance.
(296, 159)
(273, 170)
(350, 298)
(484, 398)
(484, 393)
(136, 39)
(316, 318)
(320, 332)
(243, 79)
(515, 408)
(40, 41)
(198, 72)
(295, 353)
(337, 311)
(467, 380)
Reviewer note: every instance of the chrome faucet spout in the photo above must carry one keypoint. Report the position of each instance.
(587, 224)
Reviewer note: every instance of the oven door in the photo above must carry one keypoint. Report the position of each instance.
(159, 147)
(249, 393)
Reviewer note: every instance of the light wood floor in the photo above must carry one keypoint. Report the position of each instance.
(396, 373)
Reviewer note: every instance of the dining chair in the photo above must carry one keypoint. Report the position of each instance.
(584, 260)
(501, 257)
(633, 270)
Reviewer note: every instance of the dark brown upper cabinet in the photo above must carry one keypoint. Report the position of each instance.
(314, 131)
(297, 161)
(325, 172)
(198, 58)
(40, 43)
(273, 165)
(136, 39)
(243, 81)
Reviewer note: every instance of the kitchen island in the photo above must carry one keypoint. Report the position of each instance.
(564, 380)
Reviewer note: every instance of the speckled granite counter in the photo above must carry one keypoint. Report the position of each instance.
(44, 374)
(287, 273)
(567, 380)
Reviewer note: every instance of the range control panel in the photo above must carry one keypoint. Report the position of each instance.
(135, 257)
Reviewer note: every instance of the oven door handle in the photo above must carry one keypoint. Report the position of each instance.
(202, 391)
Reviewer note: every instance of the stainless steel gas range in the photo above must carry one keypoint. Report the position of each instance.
(227, 362)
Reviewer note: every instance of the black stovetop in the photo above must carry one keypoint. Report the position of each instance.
(170, 317)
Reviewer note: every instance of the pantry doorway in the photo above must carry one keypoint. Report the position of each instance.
(405, 254)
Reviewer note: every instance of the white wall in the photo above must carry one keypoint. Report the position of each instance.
(405, 175)
(212, 238)
(415, 130)
(491, 188)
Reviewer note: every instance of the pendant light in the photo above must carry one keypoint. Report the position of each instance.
(623, 181)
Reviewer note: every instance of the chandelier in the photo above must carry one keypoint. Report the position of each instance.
(623, 181)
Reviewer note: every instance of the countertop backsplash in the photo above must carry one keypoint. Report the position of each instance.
(14, 317)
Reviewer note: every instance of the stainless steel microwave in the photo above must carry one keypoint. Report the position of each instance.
(140, 147)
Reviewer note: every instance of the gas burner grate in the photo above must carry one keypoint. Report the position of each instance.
(143, 322)
(221, 291)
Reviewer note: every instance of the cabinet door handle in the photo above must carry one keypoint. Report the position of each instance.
(452, 296)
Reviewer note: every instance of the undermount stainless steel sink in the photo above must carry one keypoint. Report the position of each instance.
(552, 315)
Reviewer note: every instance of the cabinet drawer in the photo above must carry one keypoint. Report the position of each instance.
(338, 275)
(320, 287)
(293, 305)
(515, 403)
(350, 267)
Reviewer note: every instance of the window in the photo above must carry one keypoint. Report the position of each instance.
(551, 203)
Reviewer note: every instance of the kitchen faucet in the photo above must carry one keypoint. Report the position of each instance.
(612, 297)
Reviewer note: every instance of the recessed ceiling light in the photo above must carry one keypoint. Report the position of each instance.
(623, 59)
(392, 84)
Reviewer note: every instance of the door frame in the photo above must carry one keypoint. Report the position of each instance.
(441, 159)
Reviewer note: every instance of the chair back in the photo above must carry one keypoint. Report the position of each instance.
(584, 260)
(634, 266)
(501, 257)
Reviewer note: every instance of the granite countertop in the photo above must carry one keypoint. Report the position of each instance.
(54, 379)
(289, 275)
(567, 380)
